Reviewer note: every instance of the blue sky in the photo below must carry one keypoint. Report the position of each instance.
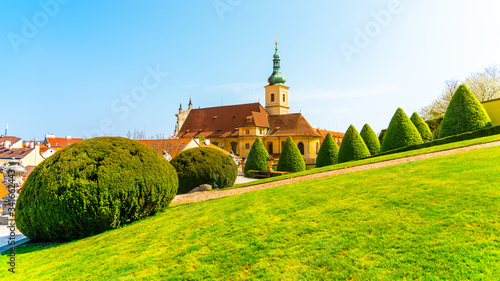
(108, 67)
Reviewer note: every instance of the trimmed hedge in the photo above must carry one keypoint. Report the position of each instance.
(435, 125)
(353, 146)
(381, 136)
(93, 186)
(464, 114)
(371, 140)
(328, 152)
(422, 127)
(204, 165)
(257, 157)
(465, 136)
(290, 158)
(400, 133)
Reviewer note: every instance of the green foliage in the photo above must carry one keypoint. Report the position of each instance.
(451, 139)
(353, 147)
(400, 133)
(204, 165)
(464, 114)
(290, 158)
(371, 140)
(382, 135)
(257, 157)
(93, 186)
(328, 152)
(434, 126)
(422, 127)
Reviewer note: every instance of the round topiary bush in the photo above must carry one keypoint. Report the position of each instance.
(290, 158)
(401, 132)
(328, 152)
(371, 140)
(257, 157)
(93, 186)
(353, 147)
(204, 165)
(464, 114)
(422, 127)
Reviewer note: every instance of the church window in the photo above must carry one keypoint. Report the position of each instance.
(301, 148)
(283, 97)
(247, 146)
(317, 147)
(233, 146)
(272, 97)
(248, 132)
(215, 143)
(260, 132)
(270, 147)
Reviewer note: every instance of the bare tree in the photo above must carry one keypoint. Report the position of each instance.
(485, 85)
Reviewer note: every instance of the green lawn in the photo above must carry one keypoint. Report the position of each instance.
(437, 219)
(377, 159)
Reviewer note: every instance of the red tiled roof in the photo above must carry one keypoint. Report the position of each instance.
(220, 121)
(290, 125)
(12, 140)
(335, 135)
(256, 119)
(60, 142)
(17, 153)
(172, 146)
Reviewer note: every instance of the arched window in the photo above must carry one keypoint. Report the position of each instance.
(301, 148)
(233, 146)
(283, 97)
(272, 97)
(270, 147)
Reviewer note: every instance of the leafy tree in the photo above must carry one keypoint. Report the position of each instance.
(93, 186)
(290, 158)
(371, 140)
(485, 85)
(257, 157)
(328, 152)
(422, 127)
(464, 114)
(204, 165)
(400, 133)
(353, 146)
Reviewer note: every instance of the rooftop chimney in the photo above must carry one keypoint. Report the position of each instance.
(68, 137)
(6, 144)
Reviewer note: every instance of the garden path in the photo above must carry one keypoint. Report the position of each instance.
(213, 194)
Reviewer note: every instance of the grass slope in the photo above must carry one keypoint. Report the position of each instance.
(378, 158)
(432, 219)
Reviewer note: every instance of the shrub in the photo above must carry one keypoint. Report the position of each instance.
(434, 126)
(257, 157)
(400, 133)
(328, 152)
(93, 186)
(371, 140)
(464, 114)
(204, 165)
(353, 147)
(381, 136)
(290, 158)
(422, 127)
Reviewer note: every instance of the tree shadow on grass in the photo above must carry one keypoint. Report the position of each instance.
(36, 246)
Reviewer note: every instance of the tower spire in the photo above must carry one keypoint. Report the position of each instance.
(276, 77)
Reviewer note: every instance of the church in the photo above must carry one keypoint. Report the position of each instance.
(235, 127)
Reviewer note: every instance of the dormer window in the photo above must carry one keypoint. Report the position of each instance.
(249, 119)
(215, 117)
(277, 128)
(235, 116)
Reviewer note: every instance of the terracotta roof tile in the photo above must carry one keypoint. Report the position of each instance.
(17, 153)
(290, 125)
(12, 140)
(172, 146)
(61, 142)
(220, 121)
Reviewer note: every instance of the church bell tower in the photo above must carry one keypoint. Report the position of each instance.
(276, 91)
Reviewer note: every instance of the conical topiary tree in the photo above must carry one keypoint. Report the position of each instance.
(328, 152)
(400, 133)
(371, 140)
(257, 157)
(464, 114)
(353, 147)
(422, 127)
(290, 158)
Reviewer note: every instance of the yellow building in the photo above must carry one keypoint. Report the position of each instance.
(235, 127)
(493, 109)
